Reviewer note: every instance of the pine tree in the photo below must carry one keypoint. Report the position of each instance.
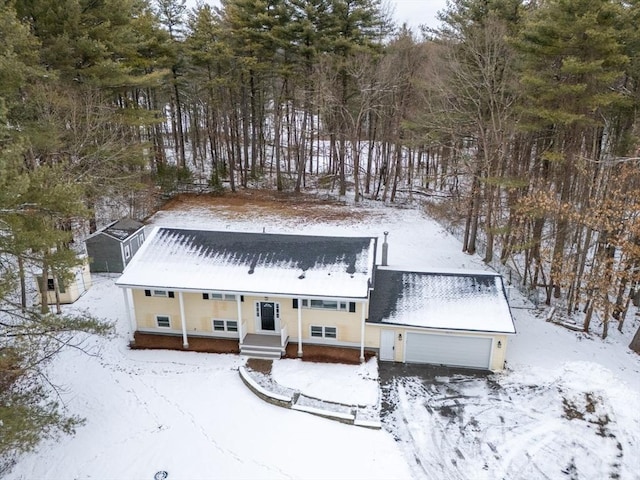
(34, 199)
(572, 59)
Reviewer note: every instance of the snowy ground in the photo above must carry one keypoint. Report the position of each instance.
(567, 407)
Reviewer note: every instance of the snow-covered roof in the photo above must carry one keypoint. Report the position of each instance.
(450, 301)
(120, 229)
(265, 263)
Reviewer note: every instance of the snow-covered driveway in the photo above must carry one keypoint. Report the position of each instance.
(517, 425)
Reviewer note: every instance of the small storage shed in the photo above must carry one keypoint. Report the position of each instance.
(453, 319)
(111, 248)
(71, 289)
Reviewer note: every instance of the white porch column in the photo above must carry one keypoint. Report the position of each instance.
(299, 327)
(240, 332)
(362, 334)
(183, 320)
(130, 318)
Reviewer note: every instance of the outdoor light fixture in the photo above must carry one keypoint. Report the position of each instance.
(400, 337)
(499, 344)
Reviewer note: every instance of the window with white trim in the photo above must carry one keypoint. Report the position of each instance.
(163, 321)
(320, 331)
(159, 293)
(127, 251)
(220, 325)
(219, 296)
(325, 304)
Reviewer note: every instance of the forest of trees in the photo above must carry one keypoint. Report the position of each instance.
(515, 122)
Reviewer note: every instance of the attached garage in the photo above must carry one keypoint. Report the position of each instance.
(453, 319)
(454, 350)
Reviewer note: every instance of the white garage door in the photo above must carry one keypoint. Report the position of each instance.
(474, 352)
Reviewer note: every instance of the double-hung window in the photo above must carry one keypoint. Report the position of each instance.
(163, 321)
(218, 296)
(320, 331)
(325, 304)
(159, 293)
(220, 325)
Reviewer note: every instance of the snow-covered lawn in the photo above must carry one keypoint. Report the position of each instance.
(567, 407)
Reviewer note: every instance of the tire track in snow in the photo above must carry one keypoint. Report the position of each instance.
(420, 440)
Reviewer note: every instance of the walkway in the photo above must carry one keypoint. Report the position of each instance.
(256, 374)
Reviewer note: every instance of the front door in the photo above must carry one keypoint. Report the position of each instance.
(267, 316)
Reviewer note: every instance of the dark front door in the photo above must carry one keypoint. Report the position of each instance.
(268, 315)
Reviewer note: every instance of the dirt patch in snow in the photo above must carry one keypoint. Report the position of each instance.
(260, 365)
(324, 354)
(248, 204)
(312, 353)
(174, 342)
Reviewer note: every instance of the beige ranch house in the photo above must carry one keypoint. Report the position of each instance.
(269, 291)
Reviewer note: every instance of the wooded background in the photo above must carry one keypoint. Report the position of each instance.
(515, 122)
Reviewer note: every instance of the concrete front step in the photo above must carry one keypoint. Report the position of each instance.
(262, 353)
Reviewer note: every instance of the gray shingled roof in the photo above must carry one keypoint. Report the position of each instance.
(123, 229)
(300, 252)
(452, 301)
(253, 262)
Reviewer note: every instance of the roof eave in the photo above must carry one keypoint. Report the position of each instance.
(445, 329)
(239, 292)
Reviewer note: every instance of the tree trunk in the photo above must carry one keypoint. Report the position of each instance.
(397, 169)
(56, 289)
(245, 137)
(23, 284)
(182, 159)
(277, 121)
(44, 305)
(302, 149)
(635, 343)
(488, 223)
(471, 223)
(372, 143)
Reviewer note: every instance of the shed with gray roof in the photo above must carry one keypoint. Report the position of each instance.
(111, 248)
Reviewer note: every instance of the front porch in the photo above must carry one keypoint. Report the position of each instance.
(264, 346)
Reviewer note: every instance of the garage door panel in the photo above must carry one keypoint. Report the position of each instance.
(454, 350)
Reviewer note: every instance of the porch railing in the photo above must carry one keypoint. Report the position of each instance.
(284, 334)
(244, 332)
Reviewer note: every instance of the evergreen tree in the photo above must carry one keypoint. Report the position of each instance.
(34, 200)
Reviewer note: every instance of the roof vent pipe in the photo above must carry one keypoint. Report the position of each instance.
(385, 250)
